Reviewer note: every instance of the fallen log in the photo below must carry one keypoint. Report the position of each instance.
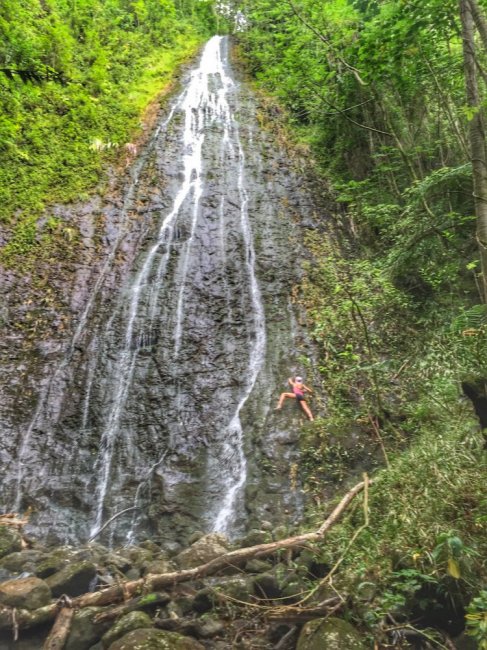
(60, 630)
(141, 602)
(25, 618)
(156, 582)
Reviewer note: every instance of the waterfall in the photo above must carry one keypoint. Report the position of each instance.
(159, 405)
(203, 103)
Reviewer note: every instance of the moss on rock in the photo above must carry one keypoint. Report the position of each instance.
(10, 541)
(331, 633)
(25, 593)
(129, 622)
(73, 580)
(150, 639)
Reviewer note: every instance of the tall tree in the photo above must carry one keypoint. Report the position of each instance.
(476, 134)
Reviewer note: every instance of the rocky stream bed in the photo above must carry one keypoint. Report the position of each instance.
(224, 612)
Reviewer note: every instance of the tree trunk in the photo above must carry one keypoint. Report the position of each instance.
(479, 20)
(476, 136)
(60, 630)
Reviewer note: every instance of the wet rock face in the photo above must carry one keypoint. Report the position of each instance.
(178, 334)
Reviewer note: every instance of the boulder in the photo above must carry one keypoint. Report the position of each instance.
(84, 632)
(10, 541)
(266, 585)
(210, 628)
(236, 587)
(198, 534)
(151, 639)
(158, 566)
(149, 545)
(129, 622)
(25, 593)
(203, 550)
(49, 565)
(117, 561)
(137, 555)
(73, 580)
(15, 562)
(255, 537)
(330, 633)
(258, 566)
(203, 601)
(293, 589)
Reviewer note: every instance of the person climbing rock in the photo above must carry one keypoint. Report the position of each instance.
(299, 390)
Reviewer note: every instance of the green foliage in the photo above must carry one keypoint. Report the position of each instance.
(477, 619)
(376, 91)
(96, 65)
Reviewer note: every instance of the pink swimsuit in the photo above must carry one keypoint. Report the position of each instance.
(299, 393)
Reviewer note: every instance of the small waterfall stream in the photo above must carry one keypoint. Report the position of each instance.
(161, 400)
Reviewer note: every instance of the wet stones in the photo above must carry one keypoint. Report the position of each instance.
(25, 593)
(73, 580)
(331, 633)
(128, 623)
(150, 639)
(85, 631)
(203, 550)
(10, 541)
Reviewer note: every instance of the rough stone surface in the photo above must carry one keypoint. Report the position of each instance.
(150, 639)
(16, 562)
(118, 561)
(266, 585)
(10, 541)
(84, 633)
(127, 623)
(257, 566)
(330, 634)
(203, 550)
(25, 593)
(73, 580)
(158, 566)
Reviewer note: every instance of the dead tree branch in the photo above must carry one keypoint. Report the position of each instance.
(155, 582)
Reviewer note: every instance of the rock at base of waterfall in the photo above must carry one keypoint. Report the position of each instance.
(266, 586)
(255, 537)
(204, 550)
(128, 623)
(331, 633)
(158, 566)
(119, 562)
(25, 593)
(257, 566)
(84, 632)
(150, 639)
(73, 580)
(137, 555)
(50, 565)
(10, 541)
(21, 561)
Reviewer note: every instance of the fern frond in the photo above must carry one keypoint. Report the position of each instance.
(471, 320)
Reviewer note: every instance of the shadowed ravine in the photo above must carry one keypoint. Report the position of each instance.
(162, 399)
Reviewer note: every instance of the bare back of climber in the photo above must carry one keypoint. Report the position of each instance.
(299, 393)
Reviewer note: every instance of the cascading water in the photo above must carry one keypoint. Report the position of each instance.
(204, 103)
(160, 404)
